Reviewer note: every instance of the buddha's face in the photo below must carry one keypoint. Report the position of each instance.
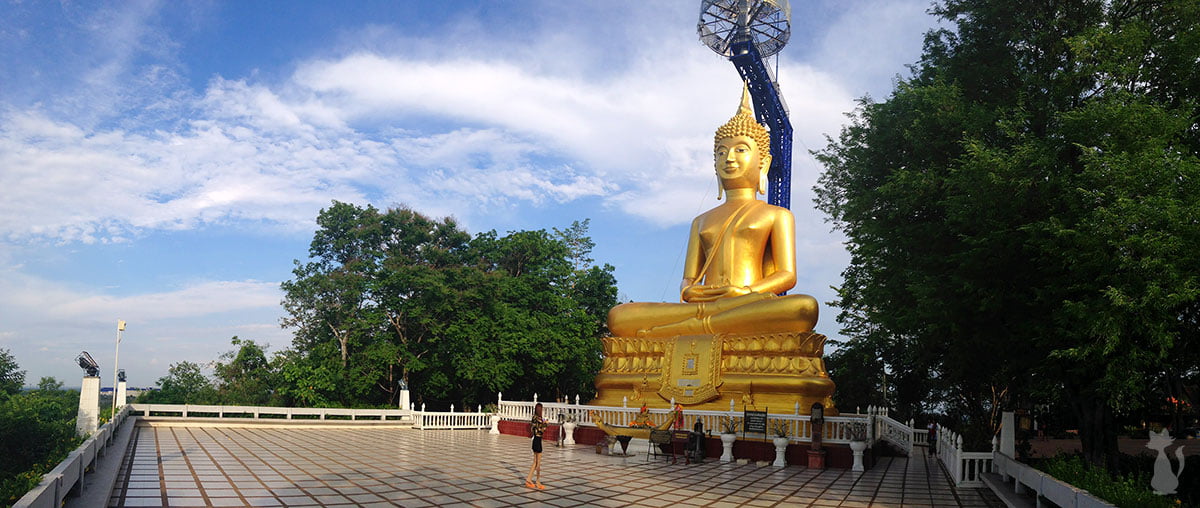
(739, 163)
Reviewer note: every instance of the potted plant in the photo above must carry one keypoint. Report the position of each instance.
(779, 429)
(858, 443)
(729, 426)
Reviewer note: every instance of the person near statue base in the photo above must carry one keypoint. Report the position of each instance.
(932, 438)
(537, 426)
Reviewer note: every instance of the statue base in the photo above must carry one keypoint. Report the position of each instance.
(772, 372)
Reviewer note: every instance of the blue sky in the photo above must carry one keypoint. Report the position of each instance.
(163, 162)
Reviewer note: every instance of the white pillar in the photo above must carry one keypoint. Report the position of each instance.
(1008, 434)
(87, 420)
(405, 399)
(121, 391)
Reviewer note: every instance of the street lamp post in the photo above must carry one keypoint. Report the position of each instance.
(116, 355)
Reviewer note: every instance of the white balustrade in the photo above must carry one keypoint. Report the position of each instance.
(838, 429)
(450, 420)
(1044, 486)
(261, 413)
(965, 468)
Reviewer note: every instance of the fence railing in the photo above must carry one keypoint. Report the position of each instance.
(68, 476)
(168, 412)
(899, 434)
(837, 429)
(965, 468)
(1043, 485)
(443, 420)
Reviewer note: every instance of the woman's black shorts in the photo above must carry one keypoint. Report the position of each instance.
(537, 445)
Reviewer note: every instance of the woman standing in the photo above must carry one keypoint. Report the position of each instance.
(536, 427)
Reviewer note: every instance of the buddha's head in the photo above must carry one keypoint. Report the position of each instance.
(742, 151)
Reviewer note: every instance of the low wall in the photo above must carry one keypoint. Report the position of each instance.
(837, 456)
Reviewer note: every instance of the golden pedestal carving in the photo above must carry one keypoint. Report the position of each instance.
(761, 371)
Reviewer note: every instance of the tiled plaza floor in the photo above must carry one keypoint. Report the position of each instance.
(208, 466)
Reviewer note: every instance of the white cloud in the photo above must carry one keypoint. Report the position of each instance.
(47, 323)
(462, 133)
(870, 43)
(31, 296)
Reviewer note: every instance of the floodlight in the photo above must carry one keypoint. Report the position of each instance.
(88, 364)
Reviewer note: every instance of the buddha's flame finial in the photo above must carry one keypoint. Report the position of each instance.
(745, 108)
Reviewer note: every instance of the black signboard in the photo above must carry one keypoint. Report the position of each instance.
(755, 422)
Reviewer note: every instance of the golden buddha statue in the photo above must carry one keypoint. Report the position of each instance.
(732, 336)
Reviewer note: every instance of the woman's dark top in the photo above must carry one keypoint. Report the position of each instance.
(537, 426)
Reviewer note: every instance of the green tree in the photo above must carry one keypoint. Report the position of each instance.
(183, 384)
(244, 375)
(12, 378)
(49, 384)
(1022, 211)
(37, 431)
(398, 296)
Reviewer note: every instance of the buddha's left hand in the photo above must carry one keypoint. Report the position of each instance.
(710, 293)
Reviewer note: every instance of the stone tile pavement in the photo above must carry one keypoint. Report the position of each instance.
(211, 466)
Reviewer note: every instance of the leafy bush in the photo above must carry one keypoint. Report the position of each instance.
(1129, 490)
(37, 431)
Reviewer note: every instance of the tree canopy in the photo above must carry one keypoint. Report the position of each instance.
(37, 429)
(1022, 212)
(12, 378)
(394, 295)
(183, 384)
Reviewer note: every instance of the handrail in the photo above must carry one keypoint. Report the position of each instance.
(1043, 485)
(837, 429)
(68, 474)
(893, 431)
(445, 420)
(966, 469)
(265, 413)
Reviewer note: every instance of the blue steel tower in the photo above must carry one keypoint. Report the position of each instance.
(746, 32)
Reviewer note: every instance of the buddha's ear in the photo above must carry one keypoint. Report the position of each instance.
(762, 176)
(720, 188)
